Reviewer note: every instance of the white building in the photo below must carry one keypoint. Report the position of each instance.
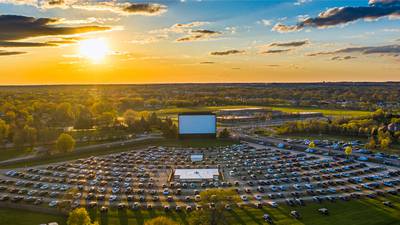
(196, 175)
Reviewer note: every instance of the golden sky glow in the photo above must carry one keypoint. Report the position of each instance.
(195, 41)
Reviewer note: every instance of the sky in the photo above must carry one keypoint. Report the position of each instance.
(169, 41)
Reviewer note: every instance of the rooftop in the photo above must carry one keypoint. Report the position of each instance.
(195, 174)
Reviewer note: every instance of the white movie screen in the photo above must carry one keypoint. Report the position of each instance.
(197, 124)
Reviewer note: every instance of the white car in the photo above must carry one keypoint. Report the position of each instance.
(244, 197)
(53, 203)
(273, 204)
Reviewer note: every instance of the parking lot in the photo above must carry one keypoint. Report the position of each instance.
(139, 179)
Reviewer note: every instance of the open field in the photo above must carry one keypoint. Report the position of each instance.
(360, 212)
(163, 142)
(326, 112)
(9, 153)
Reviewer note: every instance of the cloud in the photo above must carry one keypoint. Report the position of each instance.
(265, 22)
(25, 44)
(15, 27)
(281, 28)
(290, 44)
(197, 35)
(383, 2)
(7, 53)
(391, 50)
(272, 51)
(141, 40)
(301, 2)
(343, 15)
(124, 8)
(127, 8)
(340, 58)
(274, 65)
(228, 52)
(207, 62)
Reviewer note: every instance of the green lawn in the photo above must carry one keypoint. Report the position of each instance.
(360, 212)
(197, 143)
(326, 112)
(22, 217)
(9, 153)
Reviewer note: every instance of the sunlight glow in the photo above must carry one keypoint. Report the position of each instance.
(94, 49)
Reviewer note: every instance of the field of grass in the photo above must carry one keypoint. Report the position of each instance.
(360, 212)
(326, 112)
(9, 153)
(22, 217)
(196, 143)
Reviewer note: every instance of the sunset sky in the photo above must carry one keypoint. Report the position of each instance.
(81, 41)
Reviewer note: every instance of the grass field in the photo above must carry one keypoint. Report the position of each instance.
(326, 112)
(9, 153)
(197, 143)
(360, 212)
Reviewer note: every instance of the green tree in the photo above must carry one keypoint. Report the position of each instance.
(161, 220)
(214, 202)
(84, 119)
(64, 116)
(385, 143)
(130, 117)
(79, 216)
(65, 143)
(4, 130)
(30, 135)
(224, 133)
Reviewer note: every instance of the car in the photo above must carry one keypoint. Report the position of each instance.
(258, 197)
(104, 209)
(323, 211)
(165, 191)
(267, 218)
(295, 214)
(244, 197)
(273, 204)
(53, 203)
(388, 204)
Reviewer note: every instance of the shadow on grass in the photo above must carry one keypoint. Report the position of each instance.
(138, 216)
(123, 217)
(236, 217)
(103, 219)
(251, 216)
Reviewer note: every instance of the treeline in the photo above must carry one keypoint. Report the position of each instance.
(381, 128)
(44, 122)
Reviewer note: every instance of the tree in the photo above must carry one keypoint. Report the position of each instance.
(214, 202)
(64, 116)
(130, 117)
(224, 133)
(65, 143)
(30, 135)
(161, 220)
(371, 143)
(385, 143)
(4, 130)
(79, 216)
(84, 118)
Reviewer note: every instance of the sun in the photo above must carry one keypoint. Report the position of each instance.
(94, 49)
